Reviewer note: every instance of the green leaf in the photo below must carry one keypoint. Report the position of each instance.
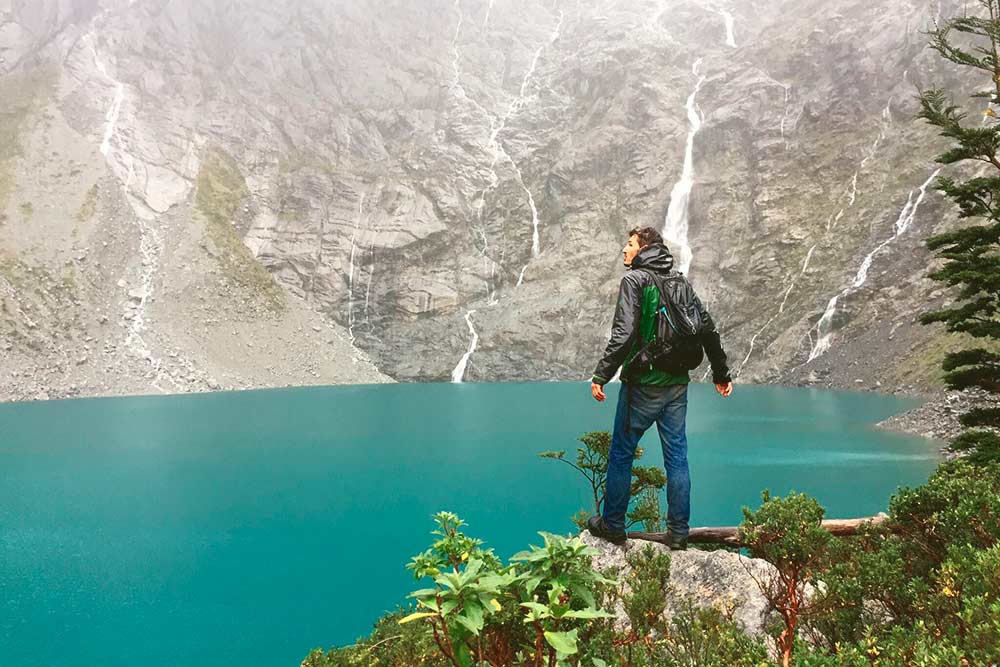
(538, 610)
(463, 655)
(424, 593)
(492, 582)
(531, 583)
(451, 580)
(430, 603)
(585, 594)
(473, 567)
(471, 618)
(564, 642)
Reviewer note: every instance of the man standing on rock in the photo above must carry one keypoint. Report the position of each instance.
(649, 394)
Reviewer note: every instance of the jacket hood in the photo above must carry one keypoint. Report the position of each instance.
(654, 257)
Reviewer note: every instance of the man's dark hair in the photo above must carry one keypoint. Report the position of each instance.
(647, 235)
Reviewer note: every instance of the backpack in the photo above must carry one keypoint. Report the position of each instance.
(675, 347)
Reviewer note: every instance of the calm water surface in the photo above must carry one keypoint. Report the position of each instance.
(247, 528)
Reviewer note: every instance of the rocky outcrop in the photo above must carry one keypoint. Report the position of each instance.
(719, 579)
(392, 166)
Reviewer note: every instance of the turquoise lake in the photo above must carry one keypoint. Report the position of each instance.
(248, 528)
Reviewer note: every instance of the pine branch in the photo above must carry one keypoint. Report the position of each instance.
(981, 417)
(972, 254)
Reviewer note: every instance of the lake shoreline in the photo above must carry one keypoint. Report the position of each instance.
(935, 419)
(938, 417)
(74, 392)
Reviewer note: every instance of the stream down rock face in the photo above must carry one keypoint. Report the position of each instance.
(302, 191)
(718, 579)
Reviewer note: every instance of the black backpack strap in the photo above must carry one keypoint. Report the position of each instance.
(658, 283)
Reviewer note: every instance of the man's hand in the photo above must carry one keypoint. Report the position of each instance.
(724, 389)
(598, 392)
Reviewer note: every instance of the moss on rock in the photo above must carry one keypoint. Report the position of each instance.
(221, 188)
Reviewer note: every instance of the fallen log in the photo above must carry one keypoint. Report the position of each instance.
(730, 535)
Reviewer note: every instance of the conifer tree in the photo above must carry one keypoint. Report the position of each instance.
(971, 254)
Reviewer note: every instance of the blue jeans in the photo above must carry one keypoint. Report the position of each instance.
(639, 406)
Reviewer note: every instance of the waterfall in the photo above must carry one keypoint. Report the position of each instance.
(454, 47)
(824, 333)
(460, 91)
(661, 7)
(788, 118)
(852, 189)
(853, 194)
(883, 130)
(486, 20)
(730, 24)
(675, 229)
(458, 374)
(497, 126)
(534, 61)
(112, 117)
(805, 265)
(534, 213)
(350, 272)
(368, 287)
(516, 106)
(784, 113)
(781, 308)
(119, 160)
(824, 328)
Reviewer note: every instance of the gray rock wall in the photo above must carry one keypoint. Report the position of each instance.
(397, 165)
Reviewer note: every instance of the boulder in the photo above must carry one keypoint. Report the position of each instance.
(720, 579)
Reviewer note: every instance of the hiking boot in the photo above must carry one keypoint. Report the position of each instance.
(676, 542)
(595, 525)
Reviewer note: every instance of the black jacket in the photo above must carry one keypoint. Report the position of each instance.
(628, 312)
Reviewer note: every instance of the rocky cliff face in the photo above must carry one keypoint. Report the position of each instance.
(205, 193)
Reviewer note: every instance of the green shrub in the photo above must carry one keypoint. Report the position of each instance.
(530, 612)
(958, 505)
(786, 532)
(592, 463)
(649, 582)
(389, 644)
(920, 590)
(924, 587)
(708, 637)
